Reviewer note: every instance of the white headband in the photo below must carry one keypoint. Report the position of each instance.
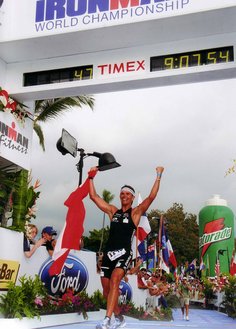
(127, 189)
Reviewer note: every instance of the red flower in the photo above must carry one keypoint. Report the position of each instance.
(4, 93)
(11, 105)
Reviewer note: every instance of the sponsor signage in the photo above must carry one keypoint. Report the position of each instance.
(32, 18)
(15, 140)
(216, 236)
(87, 72)
(74, 275)
(8, 273)
(125, 291)
(196, 58)
(214, 232)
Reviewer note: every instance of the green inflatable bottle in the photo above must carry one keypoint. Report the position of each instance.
(216, 237)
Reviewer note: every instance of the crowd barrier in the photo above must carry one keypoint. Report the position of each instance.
(11, 253)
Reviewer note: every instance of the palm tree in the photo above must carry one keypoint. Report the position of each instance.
(45, 110)
(108, 197)
(93, 241)
(49, 109)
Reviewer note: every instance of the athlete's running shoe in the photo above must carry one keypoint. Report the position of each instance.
(119, 322)
(105, 324)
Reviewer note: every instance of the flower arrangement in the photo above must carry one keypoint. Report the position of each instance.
(9, 105)
(68, 303)
(19, 301)
(30, 299)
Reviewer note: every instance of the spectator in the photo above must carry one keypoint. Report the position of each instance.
(153, 286)
(184, 292)
(47, 233)
(29, 237)
(158, 287)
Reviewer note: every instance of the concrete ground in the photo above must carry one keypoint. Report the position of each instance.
(198, 319)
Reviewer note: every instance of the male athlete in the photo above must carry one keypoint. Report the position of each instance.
(118, 251)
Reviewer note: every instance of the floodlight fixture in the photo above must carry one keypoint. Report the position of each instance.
(67, 144)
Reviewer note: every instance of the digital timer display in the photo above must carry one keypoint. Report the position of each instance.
(192, 58)
(58, 75)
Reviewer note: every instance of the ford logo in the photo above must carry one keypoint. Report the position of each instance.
(74, 275)
(125, 292)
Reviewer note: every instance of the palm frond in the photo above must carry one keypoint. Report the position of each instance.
(39, 133)
(53, 108)
(107, 196)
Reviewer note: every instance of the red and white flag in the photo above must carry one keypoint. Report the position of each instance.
(70, 236)
(217, 267)
(167, 255)
(233, 264)
(143, 230)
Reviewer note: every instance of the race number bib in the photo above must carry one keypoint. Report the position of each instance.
(115, 254)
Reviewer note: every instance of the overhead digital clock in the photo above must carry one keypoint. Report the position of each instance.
(59, 75)
(192, 58)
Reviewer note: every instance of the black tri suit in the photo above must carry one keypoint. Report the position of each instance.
(118, 251)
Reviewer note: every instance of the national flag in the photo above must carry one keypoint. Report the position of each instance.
(142, 249)
(207, 265)
(176, 276)
(217, 267)
(202, 266)
(233, 264)
(167, 256)
(151, 264)
(70, 236)
(151, 256)
(191, 267)
(144, 227)
(182, 271)
(142, 231)
(151, 251)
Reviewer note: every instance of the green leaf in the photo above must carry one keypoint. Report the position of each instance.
(19, 200)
